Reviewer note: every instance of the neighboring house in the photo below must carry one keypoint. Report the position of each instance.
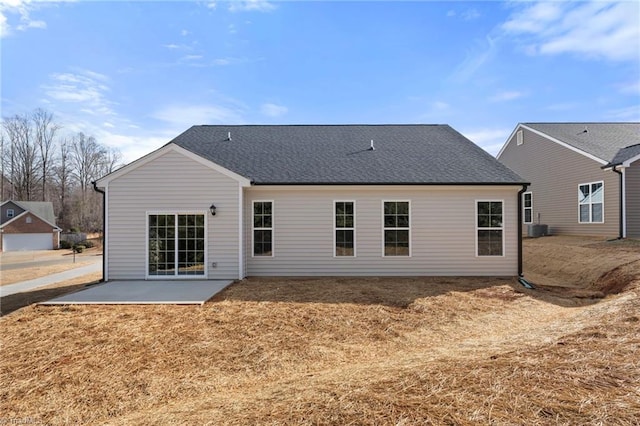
(233, 201)
(585, 177)
(28, 225)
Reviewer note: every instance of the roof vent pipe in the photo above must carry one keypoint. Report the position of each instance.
(372, 148)
(229, 136)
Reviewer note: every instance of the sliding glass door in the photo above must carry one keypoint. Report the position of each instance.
(176, 245)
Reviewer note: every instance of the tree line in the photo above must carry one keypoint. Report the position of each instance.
(39, 163)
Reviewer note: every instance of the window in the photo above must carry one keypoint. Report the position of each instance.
(591, 202)
(527, 207)
(176, 244)
(263, 228)
(29, 220)
(344, 228)
(519, 137)
(489, 228)
(396, 228)
(10, 213)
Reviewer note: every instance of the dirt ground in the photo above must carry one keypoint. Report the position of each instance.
(400, 351)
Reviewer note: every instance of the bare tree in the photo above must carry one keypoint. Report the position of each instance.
(63, 179)
(24, 160)
(87, 157)
(45, 130)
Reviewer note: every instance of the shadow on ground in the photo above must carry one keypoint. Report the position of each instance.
(16, 301)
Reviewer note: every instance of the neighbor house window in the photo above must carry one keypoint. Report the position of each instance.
(591, 202)
(396, 228)
(527, 207)
(345, 228)
(176, 244)
(490, 231)
(263, 228)
(519, 137)
(29, 220)
(10, 213)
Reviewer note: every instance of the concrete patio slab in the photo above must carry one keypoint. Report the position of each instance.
(144, 293)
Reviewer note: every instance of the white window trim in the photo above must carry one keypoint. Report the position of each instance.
(524, 209)
(590, 203)
(519, 137)
(335, 228)
(11, 213)
(502, 228)
(176, 276)
(273, 225)
(398, 229)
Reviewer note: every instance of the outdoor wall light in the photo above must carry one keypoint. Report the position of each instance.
(212, 209)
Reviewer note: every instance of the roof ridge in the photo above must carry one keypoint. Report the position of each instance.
(580, 122)
(321, 125)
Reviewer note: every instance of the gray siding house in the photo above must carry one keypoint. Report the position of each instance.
(585, 177)
(226, 202)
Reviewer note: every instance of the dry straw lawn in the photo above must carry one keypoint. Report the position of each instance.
(401, 351)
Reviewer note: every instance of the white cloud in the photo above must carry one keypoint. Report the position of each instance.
(440, 106)
(506, 96)
(630, 113)
(84, 87)
(601, 30)
(212, 5)
(191, 57)
(181, 117)
(632, 88)
(20, 9)
(250, 6)
(467, 15)
(273, 110)
(185, 33)
(481, 53)
(470, 14)
(491, 140)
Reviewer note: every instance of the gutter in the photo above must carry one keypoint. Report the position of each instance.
(621, 218)
(104, 233)
(521, 279)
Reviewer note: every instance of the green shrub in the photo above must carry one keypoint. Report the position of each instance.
(66, 244)
(78, 248)
(88, 244)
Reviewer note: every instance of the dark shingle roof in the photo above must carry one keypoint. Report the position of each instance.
(339, 154)
(625, 154)
(602, 140)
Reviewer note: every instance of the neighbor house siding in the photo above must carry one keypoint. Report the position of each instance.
(632, 176)
(442, 223)
(171, 183)
(7, 206)
(555, 173)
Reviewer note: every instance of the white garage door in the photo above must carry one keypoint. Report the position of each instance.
(19, 242)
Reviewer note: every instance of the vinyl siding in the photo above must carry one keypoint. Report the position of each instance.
(443, 231)
(555, 173)
(3, 211)
(171, 183)
(632, 176)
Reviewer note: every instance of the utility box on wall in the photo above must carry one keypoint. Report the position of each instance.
(538, 230)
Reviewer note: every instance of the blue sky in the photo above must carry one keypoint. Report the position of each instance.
(136, 74)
